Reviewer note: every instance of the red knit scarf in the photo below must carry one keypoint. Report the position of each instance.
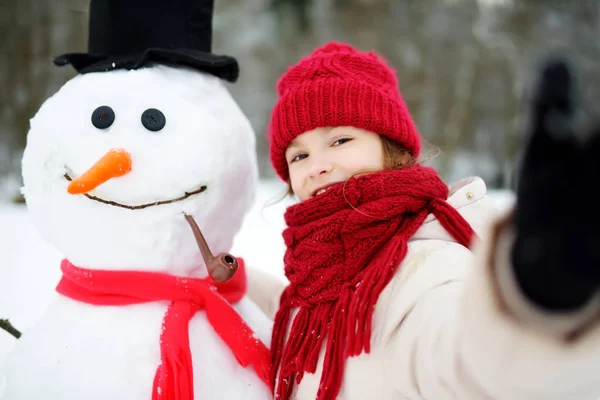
(174, 377)
(343, 247)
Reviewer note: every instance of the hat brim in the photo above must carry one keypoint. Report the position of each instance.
(224, 67)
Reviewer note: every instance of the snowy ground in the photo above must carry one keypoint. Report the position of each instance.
(29, 268)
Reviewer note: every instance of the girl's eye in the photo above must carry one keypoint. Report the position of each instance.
(298, 158)
(341, 141)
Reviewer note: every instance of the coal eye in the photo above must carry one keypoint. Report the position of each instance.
(153, 119)
(103, 117)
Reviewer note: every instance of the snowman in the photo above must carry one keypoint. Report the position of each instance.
(140, 170)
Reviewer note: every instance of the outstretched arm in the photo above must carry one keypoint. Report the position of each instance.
(524, 322)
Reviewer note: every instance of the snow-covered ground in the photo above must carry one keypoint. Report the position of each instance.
(29, 268)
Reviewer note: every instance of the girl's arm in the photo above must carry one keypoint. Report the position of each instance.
(265, 290)
(523, 320)
(471, 334)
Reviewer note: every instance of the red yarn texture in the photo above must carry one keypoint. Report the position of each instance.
(343, 248)
(338, 85)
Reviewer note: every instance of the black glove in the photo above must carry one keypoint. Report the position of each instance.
(556, 255)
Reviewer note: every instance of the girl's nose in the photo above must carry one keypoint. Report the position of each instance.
(319, 167)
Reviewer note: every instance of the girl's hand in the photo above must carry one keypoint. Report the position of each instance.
(556, 254)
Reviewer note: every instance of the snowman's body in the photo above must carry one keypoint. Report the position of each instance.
(78, 351)
(82, 351)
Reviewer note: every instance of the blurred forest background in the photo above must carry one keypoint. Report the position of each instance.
(464, 66)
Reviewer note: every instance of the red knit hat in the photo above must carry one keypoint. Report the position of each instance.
(337, 85)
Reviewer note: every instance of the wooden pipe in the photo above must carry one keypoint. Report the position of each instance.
(220, 268)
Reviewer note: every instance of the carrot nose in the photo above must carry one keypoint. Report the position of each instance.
(115, 163)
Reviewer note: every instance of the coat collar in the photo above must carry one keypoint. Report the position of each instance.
(469, 197)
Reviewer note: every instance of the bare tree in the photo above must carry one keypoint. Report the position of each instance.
(463, 65)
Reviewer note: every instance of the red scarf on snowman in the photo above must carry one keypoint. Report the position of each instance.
(343, 248)
(174, 378)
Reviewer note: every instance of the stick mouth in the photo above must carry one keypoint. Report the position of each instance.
(141, 206)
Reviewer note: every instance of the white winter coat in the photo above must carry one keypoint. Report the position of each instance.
(452, 324)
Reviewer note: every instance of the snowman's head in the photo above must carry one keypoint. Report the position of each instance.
(128, 209)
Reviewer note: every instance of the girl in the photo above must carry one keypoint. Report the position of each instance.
(385, 298)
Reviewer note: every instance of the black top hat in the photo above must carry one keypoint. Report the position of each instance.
(127, 34)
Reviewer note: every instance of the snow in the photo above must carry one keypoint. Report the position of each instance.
(29, 270)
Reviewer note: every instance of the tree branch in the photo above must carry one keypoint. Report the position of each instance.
(7, 326)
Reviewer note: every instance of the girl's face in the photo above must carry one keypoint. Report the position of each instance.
(324, 156)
